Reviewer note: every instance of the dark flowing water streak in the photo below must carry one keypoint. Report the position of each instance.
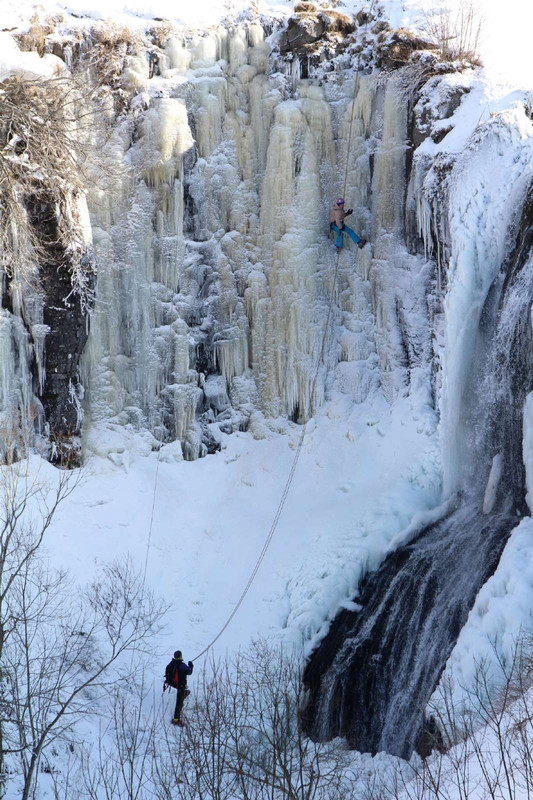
(380, 666)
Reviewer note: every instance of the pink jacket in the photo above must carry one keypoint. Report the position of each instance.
(337, 215)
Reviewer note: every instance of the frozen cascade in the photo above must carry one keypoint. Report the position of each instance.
(212, 246)
(380, 666)
(478, 226)
(20, 319)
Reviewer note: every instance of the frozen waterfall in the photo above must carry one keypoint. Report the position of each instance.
(213, 251)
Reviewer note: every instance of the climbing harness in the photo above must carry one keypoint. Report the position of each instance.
(301, 439)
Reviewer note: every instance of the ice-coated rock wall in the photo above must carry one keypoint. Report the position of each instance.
(215, 269)
(210, 232)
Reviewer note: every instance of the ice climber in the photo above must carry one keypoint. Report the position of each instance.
(176, 676)
(336, 223)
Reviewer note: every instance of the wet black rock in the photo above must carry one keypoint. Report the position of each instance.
(67, 322)
(371, 677)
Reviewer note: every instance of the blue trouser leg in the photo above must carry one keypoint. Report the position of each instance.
(339, 240)
(352, 234)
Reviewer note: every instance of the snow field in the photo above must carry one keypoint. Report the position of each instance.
(212, 516)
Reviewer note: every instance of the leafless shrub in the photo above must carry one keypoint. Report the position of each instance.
(45, 128)
(161, 33)
(27, 508)
(111, 46)
(62, 647)
(242, 739)
(59, 662)
(456, 34)
(119, 766)
(488, 730)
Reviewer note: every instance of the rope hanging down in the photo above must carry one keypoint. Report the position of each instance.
(297, 454)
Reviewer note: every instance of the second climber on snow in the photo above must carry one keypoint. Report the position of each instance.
(336, 223)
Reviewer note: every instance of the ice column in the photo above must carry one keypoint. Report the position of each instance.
(288, 323)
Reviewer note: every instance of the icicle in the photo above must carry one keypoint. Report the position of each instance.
(39, 333)
(167, 137)
(16, 394)
(492, 483)
(238, 49)
(390, 163)
(178, 56)
(295, 68)
(232, 356)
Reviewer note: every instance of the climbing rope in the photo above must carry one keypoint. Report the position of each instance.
(297, 454)
(149, 540)
(301, 439)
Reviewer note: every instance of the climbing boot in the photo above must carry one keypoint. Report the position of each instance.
(177, 721)
(361, 243)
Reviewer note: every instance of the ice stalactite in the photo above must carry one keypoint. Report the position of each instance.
(21, 313)
(359, 128)
(398, 278)
(389, 179)
(16, 395)
(286, 338)
(357, 374)
(38, 335)
(168, 268)
(130, 356)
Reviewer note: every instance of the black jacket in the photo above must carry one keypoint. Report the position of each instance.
(176, 673)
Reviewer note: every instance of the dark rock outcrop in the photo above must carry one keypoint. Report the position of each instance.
(67, 322)
(395, 49)
(307, 27)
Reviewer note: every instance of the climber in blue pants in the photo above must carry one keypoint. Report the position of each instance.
(336, 223)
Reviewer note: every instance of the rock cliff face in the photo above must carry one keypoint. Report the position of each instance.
(66, 331)
(46, 258)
